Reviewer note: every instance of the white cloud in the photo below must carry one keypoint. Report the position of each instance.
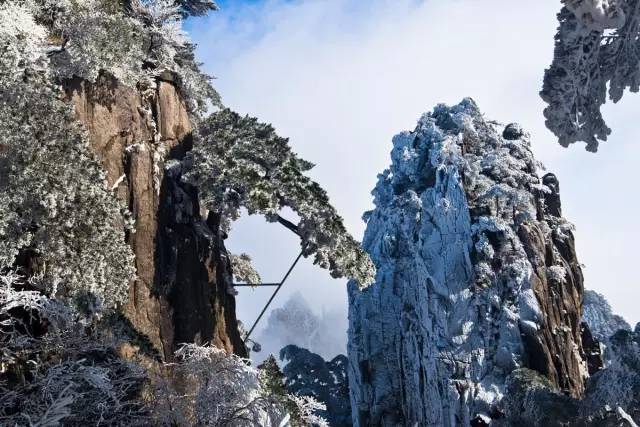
(342, 77)
(295, 323)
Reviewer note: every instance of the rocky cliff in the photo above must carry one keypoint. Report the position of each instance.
(602, 322)
(179, 294)
(477, 278)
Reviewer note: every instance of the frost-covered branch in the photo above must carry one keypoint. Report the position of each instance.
(223, 391)
(597, 45)
(243, 270)
(197, 7)
(238, 162)
(136, 41)
(307, 407)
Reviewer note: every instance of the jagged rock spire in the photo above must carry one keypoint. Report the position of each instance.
(477, 277)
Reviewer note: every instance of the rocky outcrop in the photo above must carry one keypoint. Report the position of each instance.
(477, 277)
(179, 295)
(602, 322)
(531, 401)
(308, 374)
(618, 385)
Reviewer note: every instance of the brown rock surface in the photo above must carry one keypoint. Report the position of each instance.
(556, 351)
(564, 349)
(179, 294)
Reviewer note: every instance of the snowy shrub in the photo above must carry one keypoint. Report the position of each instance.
(302, 411)
(308, 375)
(55, 370)
(596, 46)
(239, 162)
(21, 39)
(223, 390)
(308, 407)
(557, 274)
(243, 271)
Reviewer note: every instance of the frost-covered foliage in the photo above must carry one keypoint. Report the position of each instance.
(223, 390)
(308, 407)
(597, 15)
(169, 49)
(469, 244)
(238, 162)
(135, 41)
(57, 218)
(602, 322)
(21, 38)
(93, 36)
(302, 409)
(243, 270)
(197, 7)
(309, 375)
(56, 370)
(295, 322)
(596, 46)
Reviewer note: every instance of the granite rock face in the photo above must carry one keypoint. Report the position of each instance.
(477, 278)
(179, 295)
(612, 394)
(602, 322)
(618, 384)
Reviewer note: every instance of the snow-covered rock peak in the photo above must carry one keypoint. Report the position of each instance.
(477, 276)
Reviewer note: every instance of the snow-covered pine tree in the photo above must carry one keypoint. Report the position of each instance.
(272, 381)
(238, 162)
(596, 46)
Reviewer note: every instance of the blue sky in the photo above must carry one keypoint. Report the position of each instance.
(341, 77)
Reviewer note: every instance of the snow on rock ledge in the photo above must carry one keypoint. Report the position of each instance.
(477, 277)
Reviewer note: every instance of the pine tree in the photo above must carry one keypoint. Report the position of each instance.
(301, 409)
(238, 162)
